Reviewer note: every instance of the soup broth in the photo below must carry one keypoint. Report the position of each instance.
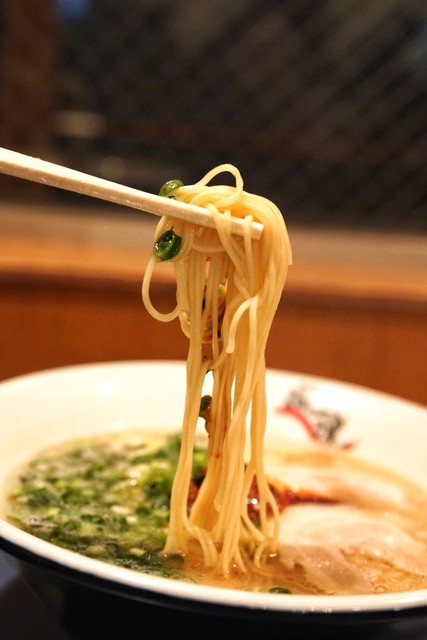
(346, 526)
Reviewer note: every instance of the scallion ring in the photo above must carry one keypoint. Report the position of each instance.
(205, 405)
(168, 189)
(167, 246)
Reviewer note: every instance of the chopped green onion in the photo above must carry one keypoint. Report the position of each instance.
(167, 246)
(279, 590)
(205, 405)
(168, 189)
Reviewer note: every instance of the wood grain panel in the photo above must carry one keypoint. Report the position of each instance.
(70, 293)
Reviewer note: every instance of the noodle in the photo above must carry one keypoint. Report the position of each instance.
(228, 290)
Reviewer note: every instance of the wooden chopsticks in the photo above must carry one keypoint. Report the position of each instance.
(30, 168)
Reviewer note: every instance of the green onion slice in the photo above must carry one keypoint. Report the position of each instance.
(205, 405)
(167, 246)
(167, 190)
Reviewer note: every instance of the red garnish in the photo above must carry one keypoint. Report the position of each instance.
(284, 497)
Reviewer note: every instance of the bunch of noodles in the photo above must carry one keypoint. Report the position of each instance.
(228, 289)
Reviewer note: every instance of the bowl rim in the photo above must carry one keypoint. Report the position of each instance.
(187, 595)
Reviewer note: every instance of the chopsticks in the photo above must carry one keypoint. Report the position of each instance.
(37, 170)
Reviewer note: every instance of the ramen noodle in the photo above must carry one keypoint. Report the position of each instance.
(227, 291)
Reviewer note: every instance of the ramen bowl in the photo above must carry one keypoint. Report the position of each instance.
(91, 597)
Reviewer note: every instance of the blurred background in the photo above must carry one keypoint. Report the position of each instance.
(322, 105)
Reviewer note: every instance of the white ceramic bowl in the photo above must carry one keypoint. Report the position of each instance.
(53, 406)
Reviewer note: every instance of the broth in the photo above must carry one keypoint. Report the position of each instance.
(346, 526)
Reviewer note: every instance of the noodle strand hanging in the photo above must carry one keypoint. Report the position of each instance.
(228, 290)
